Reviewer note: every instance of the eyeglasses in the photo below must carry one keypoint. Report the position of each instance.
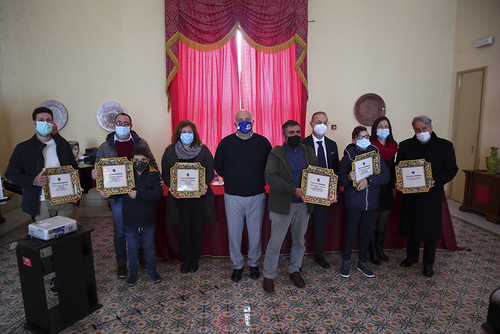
(363, 137)
(120, 123)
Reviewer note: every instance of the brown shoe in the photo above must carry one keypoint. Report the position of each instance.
(268, 285)
(297, 280)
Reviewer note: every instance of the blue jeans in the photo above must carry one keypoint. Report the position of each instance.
(119, 237)
(137, 237)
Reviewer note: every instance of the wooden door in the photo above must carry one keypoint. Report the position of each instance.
(467, 126)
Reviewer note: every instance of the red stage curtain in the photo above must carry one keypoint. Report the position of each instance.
(205, 91)
(275, 29)
(271, 89)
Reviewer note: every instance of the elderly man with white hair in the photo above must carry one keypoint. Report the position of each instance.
(421, 213)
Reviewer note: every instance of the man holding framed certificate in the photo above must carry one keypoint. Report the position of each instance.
(120, 143)
(27, 165)
(328, 157)
(286, 204)
(421, 212)
(28, 162)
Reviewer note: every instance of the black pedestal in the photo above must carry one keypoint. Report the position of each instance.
(70, 258)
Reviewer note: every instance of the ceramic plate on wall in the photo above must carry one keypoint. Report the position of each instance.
(59, 111)
(107, 112)
(368, 108)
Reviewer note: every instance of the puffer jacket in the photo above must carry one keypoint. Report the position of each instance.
(366, 199)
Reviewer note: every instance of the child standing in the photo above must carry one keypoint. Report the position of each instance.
(139, 215)
(361, 202)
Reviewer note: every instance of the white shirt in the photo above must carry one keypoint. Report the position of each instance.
(316, 145)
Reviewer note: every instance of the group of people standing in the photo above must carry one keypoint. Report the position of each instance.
(247, 162)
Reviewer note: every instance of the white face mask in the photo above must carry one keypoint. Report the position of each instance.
(320, 129)
(423, 137)
(383, 133)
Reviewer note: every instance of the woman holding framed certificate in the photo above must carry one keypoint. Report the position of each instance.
(188, 168)
(361, 174)
(381, 137)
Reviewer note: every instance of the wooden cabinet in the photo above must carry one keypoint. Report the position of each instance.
(482, 194)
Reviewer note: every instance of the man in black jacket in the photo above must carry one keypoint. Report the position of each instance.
(27, 163)
(421, 213)
(328, 157)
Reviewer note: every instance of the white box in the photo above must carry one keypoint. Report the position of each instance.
(52, 228)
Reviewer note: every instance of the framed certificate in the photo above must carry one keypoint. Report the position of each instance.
(63, 185)
(117, 176)
(413, 176)
(319, 185)
(187, 179)
(365, 165)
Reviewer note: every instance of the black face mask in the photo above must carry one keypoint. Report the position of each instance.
(140, 166)
(293, 141)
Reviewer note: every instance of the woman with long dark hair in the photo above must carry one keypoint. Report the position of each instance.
(188, 213)
(381, 137)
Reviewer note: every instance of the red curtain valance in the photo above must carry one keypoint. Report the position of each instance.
(269, 26)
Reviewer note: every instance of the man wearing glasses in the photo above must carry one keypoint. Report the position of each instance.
(328, 157)
(121, 143)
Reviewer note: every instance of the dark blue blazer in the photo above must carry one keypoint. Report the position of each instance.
(332, 152)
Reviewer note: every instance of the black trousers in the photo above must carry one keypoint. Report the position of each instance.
(413, 251)
(363, 219)
(319, 215)
(190, 228)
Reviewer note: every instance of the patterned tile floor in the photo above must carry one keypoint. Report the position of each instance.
(397, 300)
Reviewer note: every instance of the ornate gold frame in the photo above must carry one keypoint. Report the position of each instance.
(376, 163)
(414, 163)
(332, 187)
(129, 175)
(188, 165)
(75, 185)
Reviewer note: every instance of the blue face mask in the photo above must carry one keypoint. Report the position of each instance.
(245, 127)
(187, 138)
(43, 128)
(383, 133)
(363, 143)
(122, 131)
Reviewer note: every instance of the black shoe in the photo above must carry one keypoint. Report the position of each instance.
(428, 272)
(121, 272)
(407, 263)
(319, 259)
(380, 242)
(194, 266)
(236, 275)
(268, 285)
(184, 267)
(254, 273)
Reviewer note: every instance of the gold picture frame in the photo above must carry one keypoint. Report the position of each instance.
(319, 185)
(117, 176)
(414, 172)
(187, 179)
(63, 185)
(375, 163)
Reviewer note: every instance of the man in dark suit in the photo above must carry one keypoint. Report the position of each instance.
(328, 157)
(421, 213)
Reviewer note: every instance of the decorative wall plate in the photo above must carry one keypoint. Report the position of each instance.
(107, 112)
(59, 111)
(368, 108)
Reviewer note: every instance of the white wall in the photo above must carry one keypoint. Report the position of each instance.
(400, 50)
(82, 53)
(475, 20)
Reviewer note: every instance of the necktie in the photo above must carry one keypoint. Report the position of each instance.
(321, 154)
